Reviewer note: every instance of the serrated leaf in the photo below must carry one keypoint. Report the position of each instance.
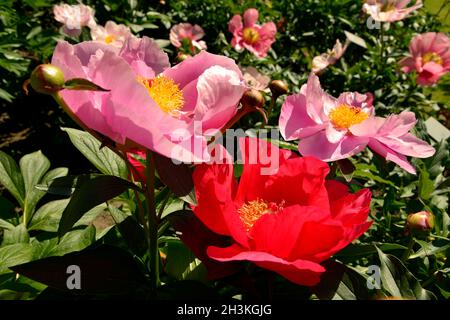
(11, 177)
(105, 160)
(82, 84)
(92, 193)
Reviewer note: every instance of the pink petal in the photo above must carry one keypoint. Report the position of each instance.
(294, 121)
(190, 69)
(408, 145)
(147, 51)
(235, 24)
(334, 135)
(391, 155)
(219, 91)
(318, 146)
(250, 17)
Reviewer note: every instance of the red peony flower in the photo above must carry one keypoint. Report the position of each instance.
(289, 221)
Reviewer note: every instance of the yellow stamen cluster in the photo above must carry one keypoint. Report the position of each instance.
(165, 92)
(344, 116)
(432, 57)
(251, 211)
(250, 35)
(110, 38)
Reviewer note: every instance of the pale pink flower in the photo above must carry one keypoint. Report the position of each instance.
(255, 79)
(320, 63)
(251, 36)
(333, 129)
(112, 34)
(186, 32)
(390, 10)
(171, 111)
(74, 17)
(430, 57)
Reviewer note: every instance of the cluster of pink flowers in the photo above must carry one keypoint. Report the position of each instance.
(333, 129)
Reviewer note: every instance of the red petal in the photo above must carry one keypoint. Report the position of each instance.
(301, 272)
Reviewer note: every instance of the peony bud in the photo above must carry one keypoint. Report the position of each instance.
(252, 98)
(278, 87)
(47, 79)
(181, 57)
(420, 222)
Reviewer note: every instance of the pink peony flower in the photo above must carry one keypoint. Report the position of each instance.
(332, 129)
(390, 10)
(112, 34)
(251, 36)
(320, 63)
(168, 110)
(254, 79)
(430, 57)
(186, 32)
(74, 17)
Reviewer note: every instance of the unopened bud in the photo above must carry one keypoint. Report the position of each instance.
(278, 87)
(47, 79)
(252, 98)
(420, 222)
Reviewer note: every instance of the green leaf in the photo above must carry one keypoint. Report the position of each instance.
(82, 84)
(104, 270)
(11, 177)
(76, 240)
(360, 250)
(65, 186)
(427, 249)
(341, 283)
(15, 254)
(48, 216)
(92, 193)
(426, 185)
(33, 167)
(182, 264)
(105, 160)
(399, 281)
(18, 234)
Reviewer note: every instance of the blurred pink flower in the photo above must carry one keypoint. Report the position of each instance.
(430, 57)
(390, 10)
(168, 110)
(251, 36)
(320, 63)
(187, 32)
(74, 17)
(112, 34)
(332, 129)
(255, 79)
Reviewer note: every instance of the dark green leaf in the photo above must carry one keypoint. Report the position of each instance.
(399, 281)
(11, 177)
(104, 269)
(91, 193)
(182, 264)
(105, 160)
(33, 167)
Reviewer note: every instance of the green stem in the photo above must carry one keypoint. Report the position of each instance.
(152, 221)
(407, 253)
